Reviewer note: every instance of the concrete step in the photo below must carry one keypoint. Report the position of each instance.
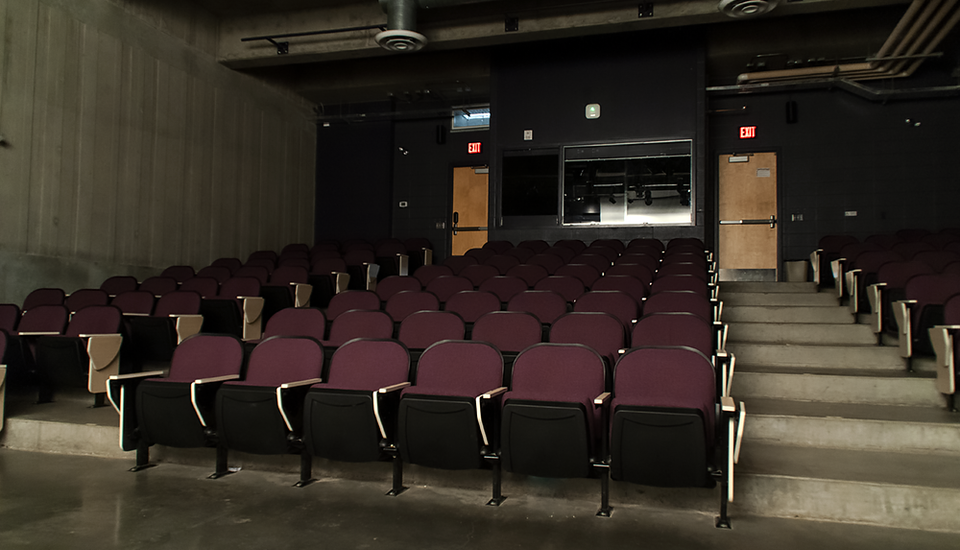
(913, 491)
(766, 288)
(795, 314)
(782, 299)
(866, 386)
(853, 426)
(813, 358)
(800, 333)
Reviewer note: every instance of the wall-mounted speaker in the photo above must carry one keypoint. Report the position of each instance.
(791, 112)
(441, 134)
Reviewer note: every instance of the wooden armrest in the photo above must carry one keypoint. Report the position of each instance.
(146, 374)
(394, 387)
(136, 314)
(602, 398)
(39, 333)
(308, 382)
(495, 392)
(187, 325)
(213, 379)
(727, 404)
(102, 349)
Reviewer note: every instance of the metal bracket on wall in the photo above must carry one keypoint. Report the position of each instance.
(511, 24)
(283, 48)
(645, 10)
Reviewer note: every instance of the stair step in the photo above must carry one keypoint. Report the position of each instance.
(852, 426)
(906, 490)
(867, 387)
(782, 299)
(800, 333)
(766, 288)
(814, 358)
(797, 314)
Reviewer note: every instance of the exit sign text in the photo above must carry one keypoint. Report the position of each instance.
(748, 132)
(473, 148)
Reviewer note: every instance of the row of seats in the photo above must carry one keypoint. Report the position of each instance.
(655, 420)
(903, 282)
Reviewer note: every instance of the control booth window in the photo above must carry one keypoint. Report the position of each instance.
(628, 184)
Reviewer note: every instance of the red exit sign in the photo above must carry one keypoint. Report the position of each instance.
(748, 132)
(473, 148)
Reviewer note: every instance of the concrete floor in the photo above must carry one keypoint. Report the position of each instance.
(59, 501)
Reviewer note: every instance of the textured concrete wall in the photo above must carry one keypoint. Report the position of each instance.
(129, 148)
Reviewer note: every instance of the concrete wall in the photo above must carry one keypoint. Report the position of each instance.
(128, 148)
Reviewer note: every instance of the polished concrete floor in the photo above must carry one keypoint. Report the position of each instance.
(59, 501)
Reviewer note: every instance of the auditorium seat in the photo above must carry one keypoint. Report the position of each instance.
(178, 273)
(471, 304)
(206, 287)
(944, 340)
(575, 245)
(449, 417)
(568, 286)
(85, 355)
(427, 273)
(352, 299)
(393, 284)
(403, 303)
(391, 255)
(615, 302)
(176, 316)
(553, 416)
(921, 309)
(586, 273)
(351, 416)
(531, 274)
(421, 329)
(504, 286)
(457, 263)
(178, 410)
(446, 286)
(478, 273)
(502, 262)
(297, 321)
(635, 287)
(499, 247)
(358, 323)
(119, 284)
(602, 332)
(263, 413)
(828, 249)
(890, 287)
(510, 332)
(598, 262)
(84, 297)
(550, 262)
(536, 245)
(545, 305)
(564, 253)
(220, 274)
(160, 285)
(521, 254)
(237, 309)
(664, 423)
(43, 297)
(233, 264)
(134, 302)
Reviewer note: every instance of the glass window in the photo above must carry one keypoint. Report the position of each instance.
(471, 118)
(628, 184)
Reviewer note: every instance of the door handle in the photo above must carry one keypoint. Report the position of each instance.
(772, 220)
(456, 220)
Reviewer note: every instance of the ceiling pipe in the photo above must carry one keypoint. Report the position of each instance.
(908, 44)
(401, 34)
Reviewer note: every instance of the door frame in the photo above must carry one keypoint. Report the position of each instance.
(716, 197)
(448, 225)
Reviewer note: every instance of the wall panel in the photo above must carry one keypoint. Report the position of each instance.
(130, 148)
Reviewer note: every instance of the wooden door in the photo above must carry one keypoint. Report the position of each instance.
(470, 198)
(748, 244)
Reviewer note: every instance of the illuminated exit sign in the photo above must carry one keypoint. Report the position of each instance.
(748, 132)
(473, 148)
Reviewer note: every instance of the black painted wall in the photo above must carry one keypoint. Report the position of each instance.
(423, 177)
(649, 86)
(354, 181)
(895, 163)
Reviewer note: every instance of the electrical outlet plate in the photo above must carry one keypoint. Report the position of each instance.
(527, 135)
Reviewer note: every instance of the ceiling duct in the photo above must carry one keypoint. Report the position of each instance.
(741, 9)
(401, 34)
(920, 31)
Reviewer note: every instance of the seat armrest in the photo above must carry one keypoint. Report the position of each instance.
(121, 379)
(136, 314)
(376, 404)
(3, 392)
(943, 338)
(735, 417)
(200, 382)
(836, 267)
(287, 386)
(902, 314)
(494, 392)
(393, 388)
(602, 398)
(372, 271)
(298, 383)
(815, 263)
(427, 256)
(727, 363)
(403, 265)
(186, 325)
(213, 379)
(39, 333)
(875, 296)
(133, 375)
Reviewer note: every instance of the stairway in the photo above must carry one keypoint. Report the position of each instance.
(837, 429)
